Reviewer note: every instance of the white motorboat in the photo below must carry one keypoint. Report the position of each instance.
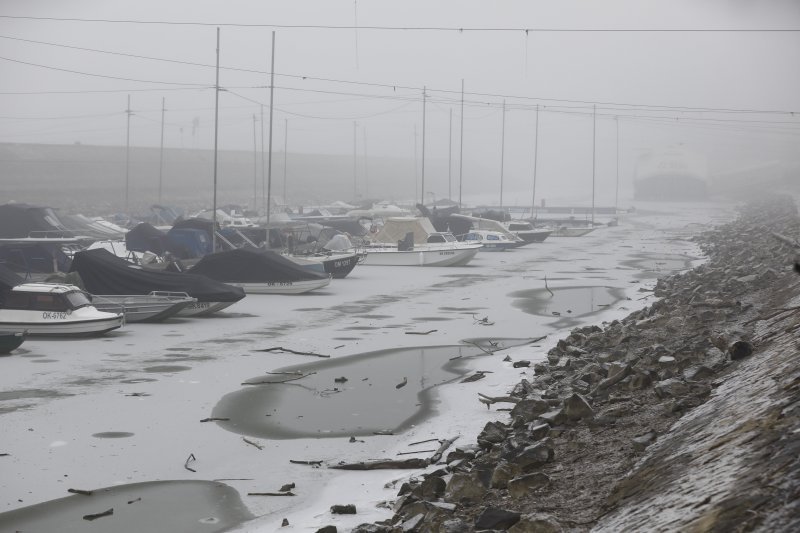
(412, 241)
(457, 255)
(525, 230)
(571, 231)
(493, 241)
(154, 307)
(53, 309)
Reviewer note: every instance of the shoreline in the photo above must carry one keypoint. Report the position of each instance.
(602, 436)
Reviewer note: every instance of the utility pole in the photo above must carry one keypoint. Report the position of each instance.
(216, 138)
(161, 152)
(263, 168)
(271, 95)
(461, 152)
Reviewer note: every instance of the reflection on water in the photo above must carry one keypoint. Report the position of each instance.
(653, 265)
(567, 301)
(173, 506)
(322, 404)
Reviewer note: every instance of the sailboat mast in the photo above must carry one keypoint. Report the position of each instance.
(450, 158)
(594, 151)
(502, 152)
(616, 194)
(285, 152)
(535, 163)
(255, 166)
(355, 164)
(424, 102)
(271, 95)
(216, 140)
(161, 152)
(461, 151)
(127, 153)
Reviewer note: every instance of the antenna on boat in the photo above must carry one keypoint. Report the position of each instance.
(271, 94)
(355, 164)
(285, 151)
(255, 166)
(450, 158)
(216, 138)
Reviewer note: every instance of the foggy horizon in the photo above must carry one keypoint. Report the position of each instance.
(714, 78)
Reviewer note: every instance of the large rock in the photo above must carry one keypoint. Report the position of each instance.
(431, 488)
(671, 388)
(493, 432)
(495, 518)
(501, 475)
(520, 487)
(530, 409)
(576, 407)
(464, 487)
(535, 455)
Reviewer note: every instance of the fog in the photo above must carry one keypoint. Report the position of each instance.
(349, 79)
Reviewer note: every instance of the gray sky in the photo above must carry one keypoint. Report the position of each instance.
(624, 73)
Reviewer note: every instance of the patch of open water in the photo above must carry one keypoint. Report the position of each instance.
(173, 506)
(567, 301)
(386, 390)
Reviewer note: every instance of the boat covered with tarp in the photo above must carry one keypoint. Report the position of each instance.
(103, 273)
(259, 272)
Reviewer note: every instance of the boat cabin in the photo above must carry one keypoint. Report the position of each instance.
(45, 297)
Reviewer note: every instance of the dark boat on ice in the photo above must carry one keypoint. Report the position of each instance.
(259, 272)
(103, 273)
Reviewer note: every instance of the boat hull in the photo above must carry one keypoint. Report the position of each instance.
(65, 328)
(203, 308)
(421, 257)
(571, 232)
(533, 236)
(287, 287)
(10, 342)
(143, 308)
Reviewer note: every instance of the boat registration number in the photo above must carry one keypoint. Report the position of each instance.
(199, 305)
(447, 253)
(341, 263)
(54, 315)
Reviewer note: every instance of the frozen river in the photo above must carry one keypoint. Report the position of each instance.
(126, 408)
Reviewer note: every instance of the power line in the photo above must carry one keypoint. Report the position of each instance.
(457, 29)
(48, 67)
(394, 87)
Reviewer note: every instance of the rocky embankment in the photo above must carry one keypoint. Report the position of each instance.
(682, 416)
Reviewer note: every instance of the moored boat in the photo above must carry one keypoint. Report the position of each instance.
(413, 241)
(493, 241)
(526, 231)
(11, 341)
(154, 307)
(54, 309)
(259, 272)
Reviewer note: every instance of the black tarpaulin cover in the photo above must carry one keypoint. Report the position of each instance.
(104, 273)
(9, 278)
(23, 220)
(250, 266)
(145, 238)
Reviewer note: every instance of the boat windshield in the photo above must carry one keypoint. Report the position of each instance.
(77, 299)
(35, 301)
